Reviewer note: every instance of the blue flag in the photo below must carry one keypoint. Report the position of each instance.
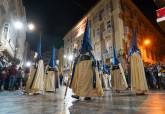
(134, 47)
(86, 44)
(115, 60)
(52, 62)
(39, 50)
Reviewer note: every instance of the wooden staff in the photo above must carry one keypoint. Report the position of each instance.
(67, 84)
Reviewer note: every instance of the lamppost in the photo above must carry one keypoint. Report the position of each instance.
(147, 42)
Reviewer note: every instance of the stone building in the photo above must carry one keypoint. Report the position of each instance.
(12, 40)
(112, 22)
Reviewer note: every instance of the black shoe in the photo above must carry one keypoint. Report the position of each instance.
(87, 98)
(75, 96)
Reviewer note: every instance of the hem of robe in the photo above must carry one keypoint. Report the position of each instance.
(50, 82)
(118, 83)
(138, 79)
(84, 88)
(38, 84)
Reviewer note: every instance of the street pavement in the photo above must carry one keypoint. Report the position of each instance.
(54, 103)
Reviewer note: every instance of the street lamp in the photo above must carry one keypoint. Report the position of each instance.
(147, 42)
(31, 26)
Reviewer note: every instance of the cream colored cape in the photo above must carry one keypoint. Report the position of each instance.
(30, 79)
(138, 79)
(118, 79)
(82, 83)
(38, 84)
(50, 81)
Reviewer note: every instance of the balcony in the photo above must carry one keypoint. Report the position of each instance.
(7, 47)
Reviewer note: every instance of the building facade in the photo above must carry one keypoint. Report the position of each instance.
(112, 22)
(12, 40)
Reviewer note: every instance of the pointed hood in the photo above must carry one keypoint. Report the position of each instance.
(39, 50)
(134, 47)
(86, 44)
(102, 62)
(115, 60)
(52, 62)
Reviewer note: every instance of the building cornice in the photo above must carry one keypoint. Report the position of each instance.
(132, 6)
(91, 11)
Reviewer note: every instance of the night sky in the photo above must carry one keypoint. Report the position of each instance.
(54, 18)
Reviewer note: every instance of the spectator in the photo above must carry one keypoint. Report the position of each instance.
(61, 78)
(19, 78)
(3, 76)
(158, 79)
(12, 78)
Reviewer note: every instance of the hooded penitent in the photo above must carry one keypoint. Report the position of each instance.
(105, 75)
(85, 80)
(138, 79)
(51, 74)
(118, 77)
(35, 83)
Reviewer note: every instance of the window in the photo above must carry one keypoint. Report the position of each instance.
(101, 14)
(6, 27)
(102, 27)
(98, 32)
(6, 30)
(109, 26)
(95, 18)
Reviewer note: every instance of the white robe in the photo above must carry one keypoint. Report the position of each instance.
(106, 81)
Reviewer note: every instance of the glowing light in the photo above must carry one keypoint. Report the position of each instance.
(18, 25)
(31, 26)
(147, 42)
(57, 62)
(70, 57)
(28, 64)
(35, 55)
(80, 32)
(65, 56)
